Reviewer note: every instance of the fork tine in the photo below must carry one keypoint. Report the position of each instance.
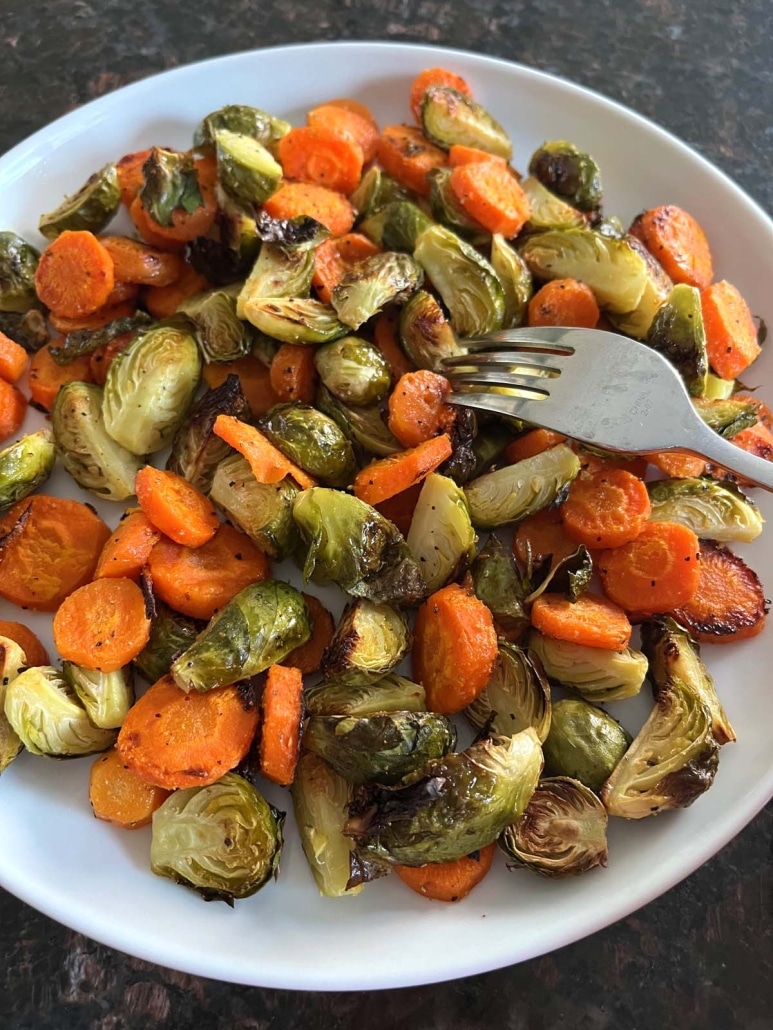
(544, 336)
(498, 377)
(530, 363)
(528, 410)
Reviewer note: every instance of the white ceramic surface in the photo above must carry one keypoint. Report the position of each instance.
(94, 878)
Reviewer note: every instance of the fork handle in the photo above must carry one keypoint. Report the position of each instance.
(704, 442)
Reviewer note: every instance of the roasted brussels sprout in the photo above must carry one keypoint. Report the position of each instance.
(657, 286)
(515, 277)
(18, 264)
(453, 806)
(381, 748)
(497, 582)
(277, 272)
(220, 334)
(462, 463)
(584, 743)
(365, 425)
(569, 172)
(426, 334)
(375, 190)
(515, 698)
(489, 443)
(594, 672)
(91, 208)
(170, 634)
(562, 832)
(353, 370)
(321, 800)
(257, 628)
(24, 466)
(294, 319)
(223, 840)
(397, 226)
(671, 653)
(449, 117)
(391, 693)
(106, 696)
(672, 760)
(370, 640)
(45, 713)
(245, 167)
(238, 232)
(27, 328)
(93, 458)
(150, 386)
(12, 661)
(313, 441)
(466, 282)
(515, 491)
(712, 510)
(547, 210)
(373, 283)
(248, 121)
(170, 183)
(727, 417)
(441, 537)
(677, 332)
(570, 576)
(353, 545)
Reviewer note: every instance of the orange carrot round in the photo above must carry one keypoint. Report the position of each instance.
(341, 118)
(107, 313)
(102, 625)
(731, 336)
(677, 464)
(13, 408)
(491, 195)
(535, 441)
(120, 796)
(33, 650)
(319, 155)
(75, 274)
(405, 154)
(399, 508)
(459, 154)
(398, 472)
(418, 409)
(13, 359)
(334, 257)
(135, 262)
(163, 301)
(591, 620)
(448, 881)
(175, 506)
(280, 735)
(605, 509)
(329, 208)
(678, 242)
(435, 77)
(127, 551)
(564, 302)
(293, 375)
(307, 658)
(541, 535)
(254, 378)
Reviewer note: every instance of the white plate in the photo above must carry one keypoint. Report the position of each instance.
(94, 878)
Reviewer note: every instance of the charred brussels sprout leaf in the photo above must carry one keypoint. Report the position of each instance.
(571, 576)
(12, 661)
(18, 264)
(353, 370)
(170, 634)
(369, 641)
(260, 626)
(712, 510)
(594, 672)
(24, 466)
(220, 334)
(86, 341)
(28, 328)
(453, 806)
(569, 172)
(677, 333)
(390, 277)
(497, 582)
(516, 280)
(278, 272)
(562, 832)
(426, 334)
(449, 117)
(441, 537)
(548, 211)
(223, 840)
(353, 545)
(302, 233)
(106, 696)
(727, 417)
(391, 693)
(245, 167)
(672, 760)
(242, 119)
(365, 424)
(294, 319)
(584, 743)
(171, 184)
(515, 698)
(312, 440)
(90, 209)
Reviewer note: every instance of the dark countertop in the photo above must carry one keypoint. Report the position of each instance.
(702, 955)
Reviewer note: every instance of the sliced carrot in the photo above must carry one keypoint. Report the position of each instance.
(130, 175)
(355, 106)
(308, 657)
(605, 509)
(448, 881)
(542, 535)
(267, 462)
(199, 581)
(386, 338)
(346, 121)
(400, 507)
(459, 154)
(756, 440)
(102, 316)
(293, 375)
(731, 336)
(49, 546)
(254, 377)
(591, 620)
(656, 572)
(678, 464)
(75, 274)
(535, 441)
(435, 77)
(13, 359)
(329, 208)
(590, 462)
(176, 507)
(45, 377)
(334, 257)
(729, 603)
(405, 154)
(322, 156)
(102, 625)
(163, 301)
(135, 262)
(418, 409)
(454, 648)
(564, 302)
(490, 193)
(398, 472)
(13, 408)
(176, 740)
(121, 292)
(102, 358)
(34, 652)
(678, 242)
(280, 737)
(120, 796)
(127, 551)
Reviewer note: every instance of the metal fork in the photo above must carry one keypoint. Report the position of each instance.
(596, 387)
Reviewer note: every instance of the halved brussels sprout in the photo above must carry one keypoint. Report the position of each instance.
(277, 272)
(215, 260)
(94, 459)
(712, 510)
(249, 121)
(365, 425)
(448, 117)
(672, 760)
(264, 511)
(106, 696)
(353, 370)
(90, 209)
(12, 661)
(672, 653)
(453, 806)
(46, 714)
(569, 172)
(426, 334)
(353, 545)
(27, 328)
(170, 634)
(447, 209)
(657, 286)
(516, 279)
(727, 417)
(466, 282)
(677, 332)
(220, 334)
(563, 831)
(441, 537)
(547, 210)
(85, 341)
(18, 264)
(612, 268)
(170, 183)
(381, 748)
(375, 190)
(150, 386)
(245, 167)
(294, 319)
(238, 231)
(515, 491)
(462, 464)
(570, 576)
(321, 800)
(497, 582)
(370, 640)
(24, 466)
(516, 697)
(397, 226)
(391, 693)
(594, 672)
(223, 840)
(584, 743)
(312, 440)
(389, 277)
(260, 626)
(491, 440)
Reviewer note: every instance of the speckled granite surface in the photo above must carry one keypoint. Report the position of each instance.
(702, 955)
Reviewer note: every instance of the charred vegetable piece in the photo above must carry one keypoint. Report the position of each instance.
(728, 417)
(294, 319)
(449, 117)
(245, 167)
(12, 661)
(278, 272)
(426, 334)
(311, 440)
(106, 696)
(570, 576)
(18, 263)
(569, 172)
(389, 277)
(594, 672)
(29, 328)
(397, 226)
(516, 279)
(24, 466)
(242, 119)
(712, 510)
(220, 334)
(171, 184)
(441, 537)
(391, 693)
(86, 341)
(91, 208)
(584, 743)
(563, 831)
(365, 424)
(547, 210)
(223, 840)
(170, 634)
(497, 582)
(370, 640)
(353, 370)
(677, 332)
(517, 696)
